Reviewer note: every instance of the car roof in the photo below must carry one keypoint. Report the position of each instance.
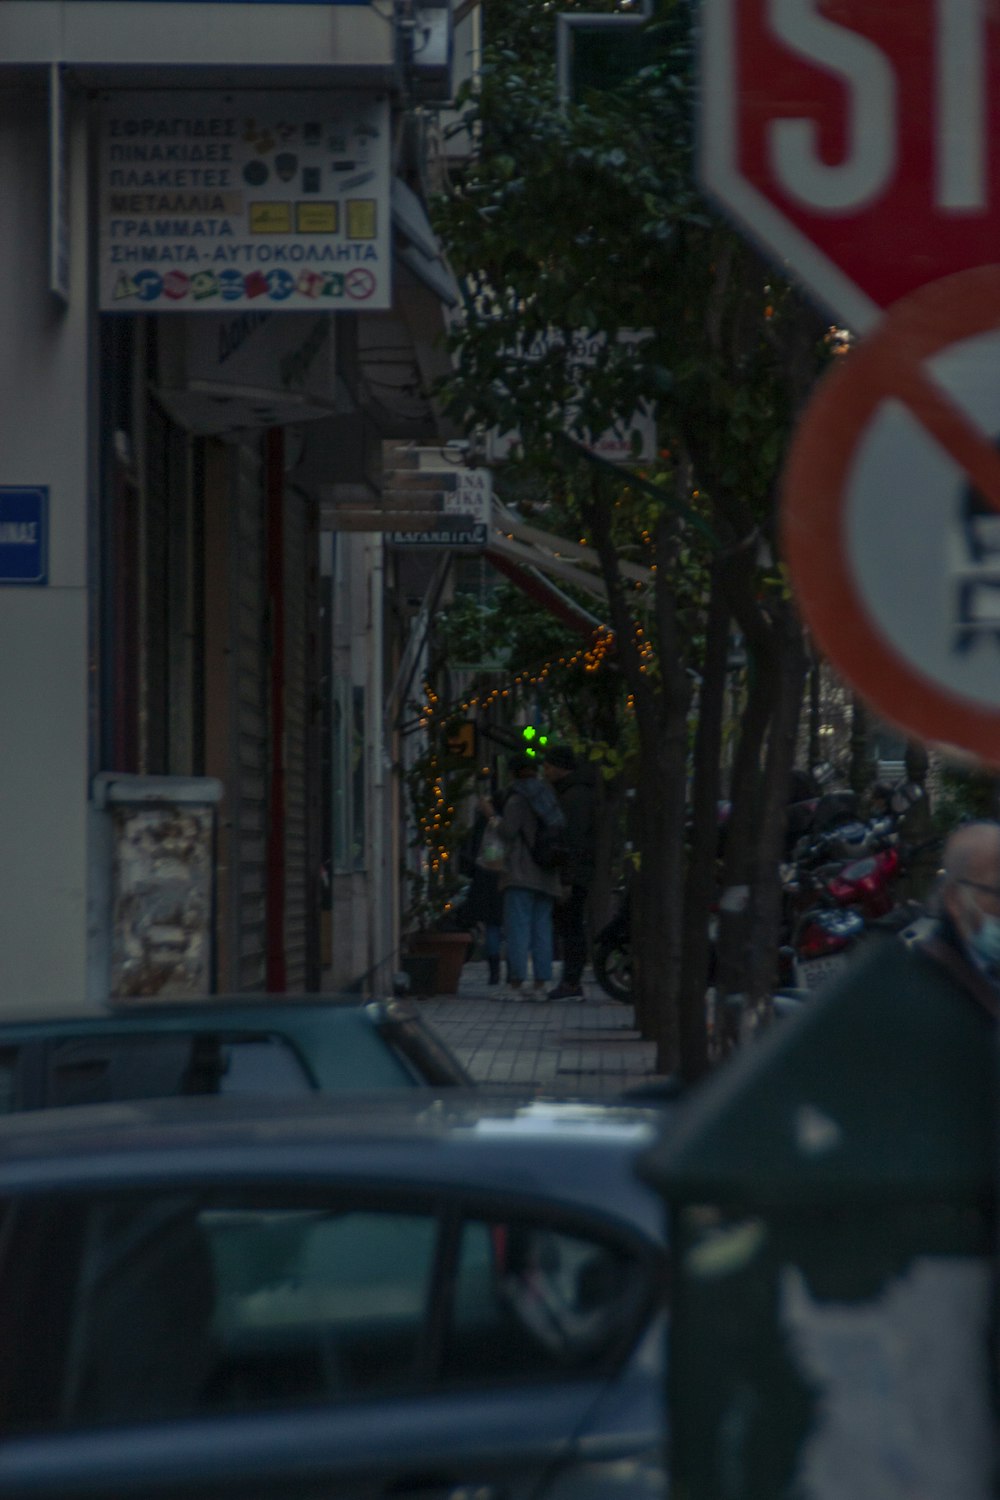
(196, 1012)
(572, 1155)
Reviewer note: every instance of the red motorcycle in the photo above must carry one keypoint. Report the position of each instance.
(832, 905)
(866, 884)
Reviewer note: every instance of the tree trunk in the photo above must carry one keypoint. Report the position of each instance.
(657, 926)
(608, 845)
(815, 711)
(859, 777)
(741, 836)
(787, 667)
(661, 704)
(917, 762)
(703, 851)
(609, 834)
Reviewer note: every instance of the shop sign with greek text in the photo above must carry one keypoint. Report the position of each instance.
(277, 201)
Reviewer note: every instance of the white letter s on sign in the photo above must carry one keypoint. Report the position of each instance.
(870, 84)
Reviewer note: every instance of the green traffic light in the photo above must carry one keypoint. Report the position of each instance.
(529, 731)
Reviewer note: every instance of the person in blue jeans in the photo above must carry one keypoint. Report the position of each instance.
(529, 892)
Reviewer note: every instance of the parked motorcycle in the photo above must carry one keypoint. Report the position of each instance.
(832, 906)
(611, 953)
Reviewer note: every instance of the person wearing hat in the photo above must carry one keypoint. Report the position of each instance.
(574, 786)
(529, 892)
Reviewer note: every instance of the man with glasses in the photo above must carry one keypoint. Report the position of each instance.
(967, 940)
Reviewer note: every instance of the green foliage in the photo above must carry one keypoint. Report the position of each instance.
(612, 761)
(506, 626)
(558, 227)
(572, 226)
(587, 220)
(964, 794)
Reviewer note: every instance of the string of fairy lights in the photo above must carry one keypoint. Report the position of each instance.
(591, 656)
(434, 821)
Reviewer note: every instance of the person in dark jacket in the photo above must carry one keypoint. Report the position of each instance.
(574, 786)
(966, 942)
(528, 891)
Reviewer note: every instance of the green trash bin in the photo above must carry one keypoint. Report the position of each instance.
(831, 1196)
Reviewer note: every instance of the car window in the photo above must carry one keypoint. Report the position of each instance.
(108, 1069)
(174, 1306)
(354, 1052)
(8, 1079)
(151, 1307)
(542, 1302)
(316, 1304)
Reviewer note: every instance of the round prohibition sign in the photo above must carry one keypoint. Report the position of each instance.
(359, 284)
(891, 514)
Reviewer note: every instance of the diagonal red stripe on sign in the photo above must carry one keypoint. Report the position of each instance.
(934, 409)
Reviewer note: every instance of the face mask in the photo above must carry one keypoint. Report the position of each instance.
(986, 942)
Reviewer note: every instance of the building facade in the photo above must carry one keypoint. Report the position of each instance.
(220, 298)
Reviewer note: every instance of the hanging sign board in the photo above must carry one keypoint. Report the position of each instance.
(438, 481)
(458, 533)
(632, 441)
(250, 369)
(211, 202)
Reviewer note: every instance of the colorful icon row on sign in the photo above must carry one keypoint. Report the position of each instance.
(234, 286)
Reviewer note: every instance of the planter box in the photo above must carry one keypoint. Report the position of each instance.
(449, 949)
(423, 971)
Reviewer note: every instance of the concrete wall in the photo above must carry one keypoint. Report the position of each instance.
(44, 425)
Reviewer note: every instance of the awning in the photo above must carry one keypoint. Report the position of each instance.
(417, 245)
(543, 591)
(219, 373)
(531, 558)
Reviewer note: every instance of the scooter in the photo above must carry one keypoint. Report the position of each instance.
(857, 897)
(611, 953)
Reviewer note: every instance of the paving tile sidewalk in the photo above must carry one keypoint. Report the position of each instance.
(587, 1049)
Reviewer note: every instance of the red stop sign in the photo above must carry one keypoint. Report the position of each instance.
(854, 139)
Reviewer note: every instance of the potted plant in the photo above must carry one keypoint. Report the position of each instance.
(435, 931)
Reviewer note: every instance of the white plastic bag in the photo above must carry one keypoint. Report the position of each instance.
(492, 849)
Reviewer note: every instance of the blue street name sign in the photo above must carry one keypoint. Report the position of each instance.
(24, 534)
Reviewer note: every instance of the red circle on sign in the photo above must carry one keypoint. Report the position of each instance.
(176, 285)
(359, 284)
(815, 493)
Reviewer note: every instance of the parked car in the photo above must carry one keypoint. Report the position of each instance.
(330, 1298)
(272, 1044)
